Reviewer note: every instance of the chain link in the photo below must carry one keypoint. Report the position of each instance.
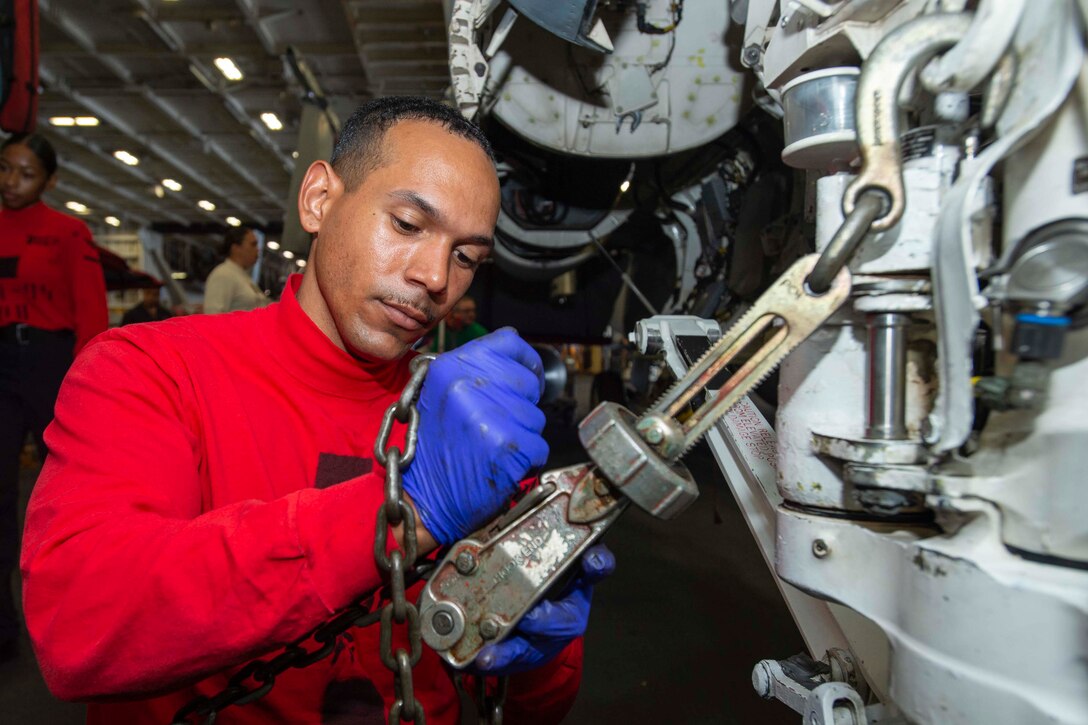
(264, 672)
(395, 512)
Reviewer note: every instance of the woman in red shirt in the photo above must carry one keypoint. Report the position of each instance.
(52, 301)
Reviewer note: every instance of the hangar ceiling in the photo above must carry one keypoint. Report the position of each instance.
(146, 70)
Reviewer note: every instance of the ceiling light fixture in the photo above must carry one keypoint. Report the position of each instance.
(273, 244)
(229, 70)
(86, 121)
(206, 205)
(234, 221)
(113, 221)
(171, 185)
(272, 121)
(288, 254)
(178, 275)
(300, 262)
(125, 157)
(62, 121)
(77, 207)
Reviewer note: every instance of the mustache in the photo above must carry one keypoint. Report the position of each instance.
(422, 306)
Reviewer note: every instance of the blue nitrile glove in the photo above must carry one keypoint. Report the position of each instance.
(549, 627)
(479, 433)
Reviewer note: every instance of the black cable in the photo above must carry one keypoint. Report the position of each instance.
(677, 9)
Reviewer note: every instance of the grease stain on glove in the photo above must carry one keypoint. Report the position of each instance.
(479, 434)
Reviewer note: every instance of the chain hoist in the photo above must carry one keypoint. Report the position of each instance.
(489, 580)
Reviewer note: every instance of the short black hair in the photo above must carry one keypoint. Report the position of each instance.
(39, 145)
(234, 236)
(358, 151)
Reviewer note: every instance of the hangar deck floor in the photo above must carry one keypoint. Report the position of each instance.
(673, 635)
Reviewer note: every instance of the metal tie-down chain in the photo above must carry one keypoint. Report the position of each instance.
(394, 512)
(264, 672)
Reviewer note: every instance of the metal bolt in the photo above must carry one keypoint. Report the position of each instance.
(762, 679)
(480, 69)
(820, 549)
(489, 628)
(466, 562)
(751, 55)
(653, 434)
(442, 623)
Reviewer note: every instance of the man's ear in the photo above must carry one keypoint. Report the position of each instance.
(320, 187)
(52, 182)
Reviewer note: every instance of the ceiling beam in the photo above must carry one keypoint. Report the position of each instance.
(234, 50)
(107, 115)
(204, 75)
(155, 213)
(68, 189)
(253, 18)
(79, 35)
(96, 178)
(209, 143)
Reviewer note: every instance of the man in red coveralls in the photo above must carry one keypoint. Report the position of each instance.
(244, 515)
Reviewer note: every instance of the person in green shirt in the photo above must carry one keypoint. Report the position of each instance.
(459, 327)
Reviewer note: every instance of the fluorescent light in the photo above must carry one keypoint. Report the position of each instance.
(178, 275)
(288, 254)
(272, 121)
(206, 205)
(171, 185)
(125, 157)
(158, 191)
(229, 70)
(77, 207)
(625, 186)
(294, 154)
(70, 121)
(234, 221)
(272, 244)
(113, 221)
(300, 262)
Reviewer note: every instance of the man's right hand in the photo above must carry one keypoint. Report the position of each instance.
(479, 433)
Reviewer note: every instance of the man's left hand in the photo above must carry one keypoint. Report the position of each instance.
(550, 626)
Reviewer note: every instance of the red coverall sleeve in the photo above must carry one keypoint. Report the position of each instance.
(545, 695)
(88, 284)
(129, 588)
